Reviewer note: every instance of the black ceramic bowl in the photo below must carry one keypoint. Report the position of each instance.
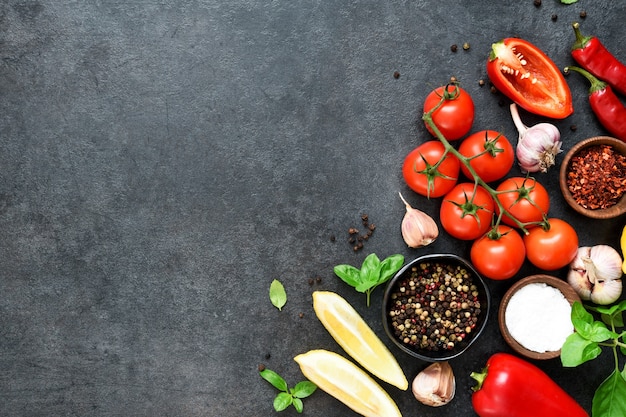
(427, 294)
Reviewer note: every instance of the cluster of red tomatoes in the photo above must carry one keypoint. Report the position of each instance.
(502, 239)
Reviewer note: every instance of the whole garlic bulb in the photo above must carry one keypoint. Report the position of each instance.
(435, 386)
(595, 274)
(537, 146)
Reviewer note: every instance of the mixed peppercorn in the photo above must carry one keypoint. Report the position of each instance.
(435, 307)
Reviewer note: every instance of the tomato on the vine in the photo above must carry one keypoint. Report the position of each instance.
(455, 116)
(466, 211)
(425, 174)
(525, 199)
(552, 246)
(499, 254)
(491, 153)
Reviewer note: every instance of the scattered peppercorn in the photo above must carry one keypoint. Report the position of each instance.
(435, 308)
(583, 14)
(355, 238)
(301, 315)
(493, 90)
(318, 279)
(481, 82)
(333, 238)
(268, 355)
(573, 128)
(537, 3)
(353, 231)
(261, 367)
(454, 47)
(396, 74)
(554, 17)
(311, 281)
(466, 46)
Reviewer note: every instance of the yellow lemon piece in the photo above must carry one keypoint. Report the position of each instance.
(349, 329)
(348, 383)
(623, 245)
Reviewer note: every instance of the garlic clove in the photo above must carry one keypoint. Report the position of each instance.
(607, 261)
(606, 292)
(435, 386)
(577, 278)
(418, 228)
(595, 274)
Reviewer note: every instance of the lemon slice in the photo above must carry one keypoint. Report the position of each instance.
(348, 383)
(354, 335)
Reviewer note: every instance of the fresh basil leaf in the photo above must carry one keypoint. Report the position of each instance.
(599, 332)
(580, 315)
(369, 268)
(389, 266)
(568, 1)
(610, 397)
(304, 389)
(282, 401)
(348, 274)
(278, 296)
(298, 405)
(363, 287)
(273, 378)
(577, 350)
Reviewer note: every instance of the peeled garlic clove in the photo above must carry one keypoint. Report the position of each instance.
(435, 386)
(418, 228)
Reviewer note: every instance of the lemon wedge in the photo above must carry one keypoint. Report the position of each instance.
(348, 383)
(349, 329)
(623, 245)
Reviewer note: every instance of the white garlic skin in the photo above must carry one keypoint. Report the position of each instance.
(418, 228)
(595, 274)
(435, 386)
(537, 146)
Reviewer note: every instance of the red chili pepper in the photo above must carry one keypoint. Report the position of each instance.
(526, 75)
(605, 104)
(511, 387)
(593, 56)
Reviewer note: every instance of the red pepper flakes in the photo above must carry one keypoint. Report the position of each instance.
(597, 177)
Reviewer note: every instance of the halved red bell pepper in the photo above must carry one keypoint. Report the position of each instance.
(512, 387)
(525, 74)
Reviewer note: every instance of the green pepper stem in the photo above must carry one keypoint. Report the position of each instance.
(581, 40)
(596, 84)
(479, 377)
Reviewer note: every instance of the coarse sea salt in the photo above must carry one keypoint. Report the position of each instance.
(538, 317)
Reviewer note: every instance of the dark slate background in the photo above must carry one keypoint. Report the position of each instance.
(161, 162)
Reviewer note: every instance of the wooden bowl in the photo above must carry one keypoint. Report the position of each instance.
(567, 291)
(607, 213)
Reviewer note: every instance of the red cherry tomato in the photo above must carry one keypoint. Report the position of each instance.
(466, 211)
(420, 174)
(499, 255)
(524, 198)
(491, 153)
(455, 116)
(553, 247)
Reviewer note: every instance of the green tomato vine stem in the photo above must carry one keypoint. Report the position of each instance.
(449, 149)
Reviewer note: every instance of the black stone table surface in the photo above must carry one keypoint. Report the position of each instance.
(161, 162)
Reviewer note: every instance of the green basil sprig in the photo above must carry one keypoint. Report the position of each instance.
(586, 344)
(288, 396)
(373, 272)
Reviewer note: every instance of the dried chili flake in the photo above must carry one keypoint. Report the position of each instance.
(597, 177)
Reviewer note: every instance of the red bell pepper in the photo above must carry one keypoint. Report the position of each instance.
(526, 75)
(605, 104)
(511, 387)
(593, 56)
